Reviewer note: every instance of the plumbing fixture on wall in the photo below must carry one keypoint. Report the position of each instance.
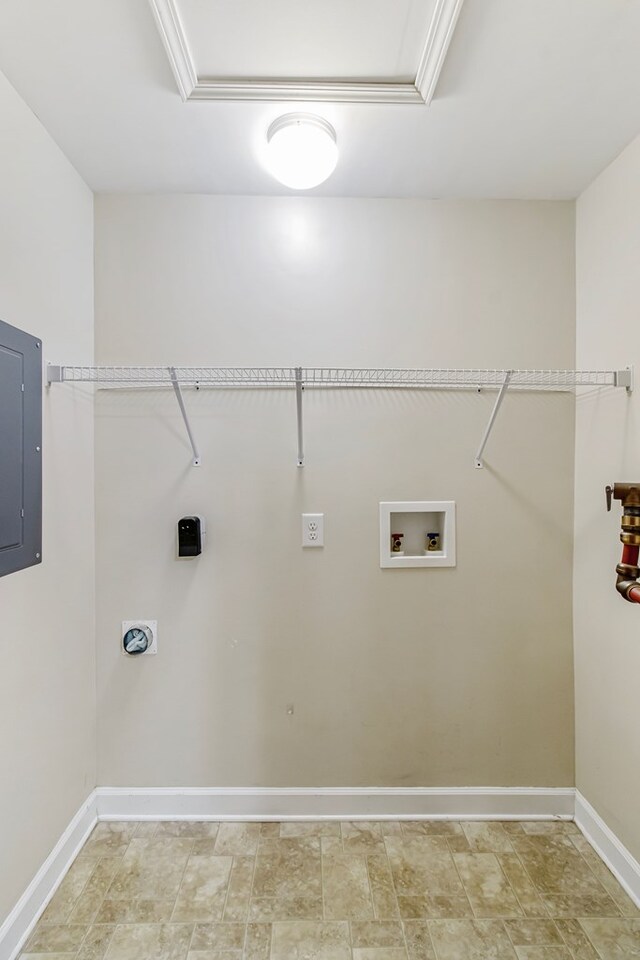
(628, 571)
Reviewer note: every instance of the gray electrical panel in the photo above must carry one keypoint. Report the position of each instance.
(20, 449)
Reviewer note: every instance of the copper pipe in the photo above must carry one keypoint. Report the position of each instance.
(628, 571)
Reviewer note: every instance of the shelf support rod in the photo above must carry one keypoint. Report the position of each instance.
(299, 389)
(183, 411)
(494, 413)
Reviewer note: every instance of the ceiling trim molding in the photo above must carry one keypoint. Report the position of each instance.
(441, 29)
(320, 90)
(422, 90)
(175, 43)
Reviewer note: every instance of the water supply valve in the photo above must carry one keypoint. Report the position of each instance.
(628, 571)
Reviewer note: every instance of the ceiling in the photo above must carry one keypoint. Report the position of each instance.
(323, 38)
(534, 97)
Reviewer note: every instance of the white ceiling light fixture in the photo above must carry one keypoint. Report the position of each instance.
(301, 150)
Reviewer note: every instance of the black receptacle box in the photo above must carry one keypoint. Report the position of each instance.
(190, 537)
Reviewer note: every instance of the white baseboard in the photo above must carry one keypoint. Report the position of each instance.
(340, 803)
(22, 919)
(622, 864)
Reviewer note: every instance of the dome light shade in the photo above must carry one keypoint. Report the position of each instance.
(301, 150)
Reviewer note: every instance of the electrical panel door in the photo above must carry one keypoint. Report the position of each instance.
(20, 449)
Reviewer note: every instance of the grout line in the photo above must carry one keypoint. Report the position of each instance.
(175, 904)
(253, 877)
(464, 889)
(534, 885)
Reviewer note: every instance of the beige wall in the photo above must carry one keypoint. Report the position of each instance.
(414, 677)
(47, 658)
(607, 629)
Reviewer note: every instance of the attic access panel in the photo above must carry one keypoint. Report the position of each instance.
(20, 450)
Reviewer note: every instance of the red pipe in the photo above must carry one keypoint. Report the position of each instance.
(628, 567)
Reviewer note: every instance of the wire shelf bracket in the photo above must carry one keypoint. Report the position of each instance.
(492, 419)
(301, 378)
(299, 390)
(185, 416)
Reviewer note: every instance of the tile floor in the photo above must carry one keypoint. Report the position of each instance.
(433, 890)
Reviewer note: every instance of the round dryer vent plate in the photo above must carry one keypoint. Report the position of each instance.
(139, 637)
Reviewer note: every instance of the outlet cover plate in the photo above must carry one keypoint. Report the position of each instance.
(313, 529)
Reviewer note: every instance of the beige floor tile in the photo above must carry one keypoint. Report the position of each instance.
(524, 933)
(135, 911)
(431, 828)
(345, 888)
(204, 910)
(471, 940)
(330, 846)
(48, 956)
(512, 826)
(385, 902)
(376, 933)
(489, 892)
(423, 863)
(205, 877)
(218, 936)
(256, 892)
(287, 868)
(380, 953)
(270, 829)
(418, 940)
(459, 844)
(56, 938)
(435, 907)
(556, 867)
(151, 869)
(109, 839)
(65, 897)
(362, 837)
(214, 955)
(257, 941)
(301, 940)
(522, 885)
(549, 826)
(204, 847)
(391, 828)
(487, 837)
(162, 941)
(614, 939)
(94, 946)
(319, 828)
(239, 890)
(544, 953)
(577, 940)
(88, 903)
(577, 906)
(238, 839)
(270, 909)
(146, 828)
(622, 900)
(192, 829)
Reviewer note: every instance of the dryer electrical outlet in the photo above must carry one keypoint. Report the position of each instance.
(313, 529)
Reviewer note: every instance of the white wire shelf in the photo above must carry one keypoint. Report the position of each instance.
(301, 378)
(337, 377)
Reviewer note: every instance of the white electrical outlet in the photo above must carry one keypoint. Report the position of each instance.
(313, 529)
